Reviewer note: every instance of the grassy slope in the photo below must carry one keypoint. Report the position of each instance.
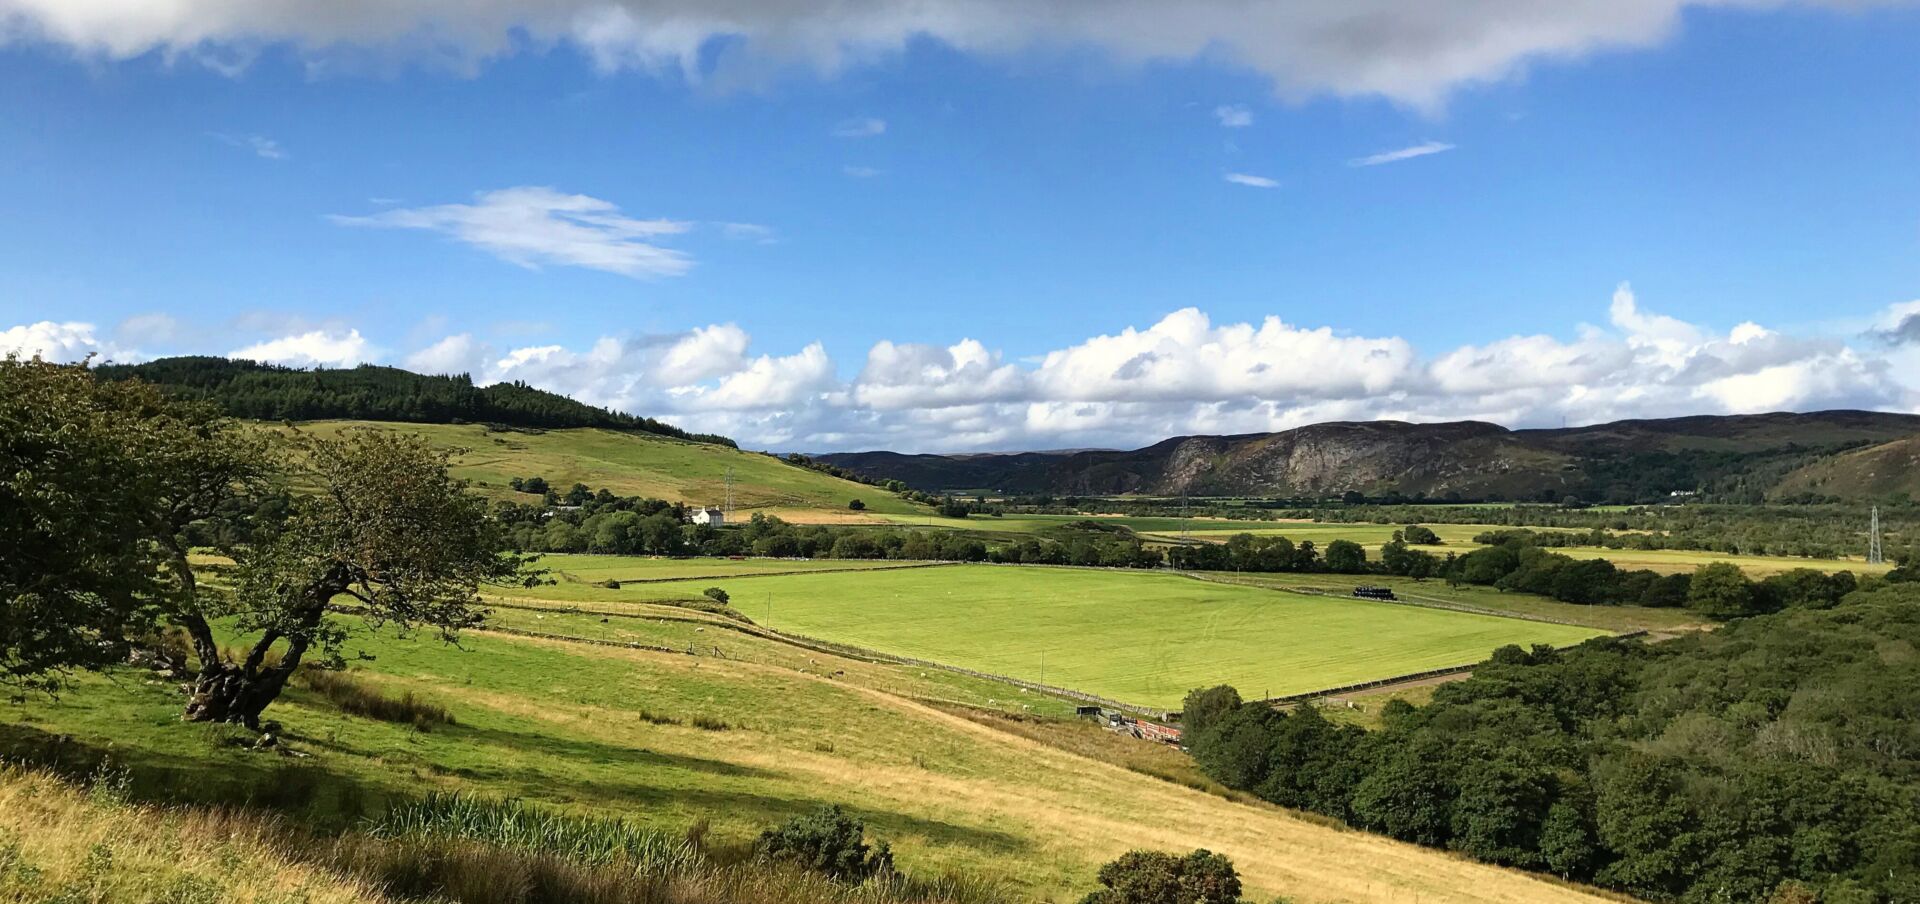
(639, 465)
(1140, 637)
(58, 844)
(1875, 472)
(559, 724)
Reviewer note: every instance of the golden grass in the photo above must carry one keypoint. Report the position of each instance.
(55, 841)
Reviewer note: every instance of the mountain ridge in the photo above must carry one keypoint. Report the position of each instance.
(1737, 457)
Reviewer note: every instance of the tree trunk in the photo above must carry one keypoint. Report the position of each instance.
(239, 692)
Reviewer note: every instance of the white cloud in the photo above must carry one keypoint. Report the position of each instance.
(748, 232)
(1233, 116)
(456, 354)
(532, 226)
(865, 127)
(63, 342)
(1251, 180)
(1183, 374)
(1408, 153)
(155, 329)
(1412, 53)
(319, 348)
(260, 145)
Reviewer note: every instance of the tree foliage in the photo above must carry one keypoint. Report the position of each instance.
(1156, 877)
(828, 842)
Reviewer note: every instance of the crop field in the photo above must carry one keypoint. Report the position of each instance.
(639, 465)
(613, 732)
(1139, 637)
(1668, 561)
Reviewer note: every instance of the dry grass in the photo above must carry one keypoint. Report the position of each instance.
(58, 843)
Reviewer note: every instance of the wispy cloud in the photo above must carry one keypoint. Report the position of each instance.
(1233, 116)
(1419, 150)
(532, 225)
(860, 172)
(1251, 180)
(748, 232)
(260, 145)
(864, 127)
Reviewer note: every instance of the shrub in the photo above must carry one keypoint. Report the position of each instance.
(828, 842)
(857, 505)
(610, 584)
(1155, 877)
(717, 595)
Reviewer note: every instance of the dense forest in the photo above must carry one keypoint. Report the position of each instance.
(1776, 759)
(259, 391)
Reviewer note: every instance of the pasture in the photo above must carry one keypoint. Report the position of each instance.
(612, 732)
(1139, 637)
(631, 464)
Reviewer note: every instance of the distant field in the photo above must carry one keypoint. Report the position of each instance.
(586, 568)
(1611, 618)
(1134, 636)
(1668, 561)
(639, 465)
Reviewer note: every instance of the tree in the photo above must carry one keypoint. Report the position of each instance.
(1206, 705)
(388, 529)
(717, 595)
(1721, 590)
(1156, 877)
(75, 571)
(1420, 536)
(857, 505)
(1346, 557)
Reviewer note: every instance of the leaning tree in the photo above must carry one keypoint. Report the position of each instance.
(387, 533)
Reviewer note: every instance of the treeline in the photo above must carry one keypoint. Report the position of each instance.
(250, 389)
(597, 521)
(1774, 760)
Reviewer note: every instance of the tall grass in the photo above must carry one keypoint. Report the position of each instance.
(512, 824)
(355, 696)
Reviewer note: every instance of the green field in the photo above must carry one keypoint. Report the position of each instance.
(589, 568)
(638, 465)
(1139, 637)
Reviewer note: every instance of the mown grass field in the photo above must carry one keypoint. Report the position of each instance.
(1139, 637)
(1523, 605)
(611, 732)
(639, 465)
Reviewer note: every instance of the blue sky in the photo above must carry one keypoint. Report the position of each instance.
(981, 226)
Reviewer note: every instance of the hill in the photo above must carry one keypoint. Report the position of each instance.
(639, 464)
(957, 773)
(250, 389)
(1884, 472)
(1739, 458)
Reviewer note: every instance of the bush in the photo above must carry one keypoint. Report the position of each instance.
(717, 595)
(611, 584)
(1420, 536)
(857, 505)
(1155, 877)
(828, 842)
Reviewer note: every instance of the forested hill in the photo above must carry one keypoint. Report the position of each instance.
(1733, 458)
(251, 389)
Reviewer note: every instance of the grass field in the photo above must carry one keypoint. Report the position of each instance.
(610, 731)
(1140, 637)
(1669, 561)
(589, 568)
(640, 465)
(1524, 605)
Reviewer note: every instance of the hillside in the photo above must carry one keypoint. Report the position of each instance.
(605, 730)
(250, 389)
(1887, 471)
(637, 464)
(1737, 458)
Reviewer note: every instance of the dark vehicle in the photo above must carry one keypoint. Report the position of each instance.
(1374, 593)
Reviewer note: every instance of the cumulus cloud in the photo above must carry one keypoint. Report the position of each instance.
(318, 348)
(63, 342)
(1412, 53)
(531, 226)
(1407, 153)
(1182, 374)
(1251, 181)
(1233, 116)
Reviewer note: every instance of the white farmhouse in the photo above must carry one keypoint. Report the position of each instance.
(711, 516)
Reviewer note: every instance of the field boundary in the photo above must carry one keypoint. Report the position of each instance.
(1425, 602)
(766, 574)
(1290, 699)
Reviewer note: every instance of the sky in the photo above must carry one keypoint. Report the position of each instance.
(985, 225)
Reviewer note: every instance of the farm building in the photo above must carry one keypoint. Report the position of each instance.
(711, 516)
